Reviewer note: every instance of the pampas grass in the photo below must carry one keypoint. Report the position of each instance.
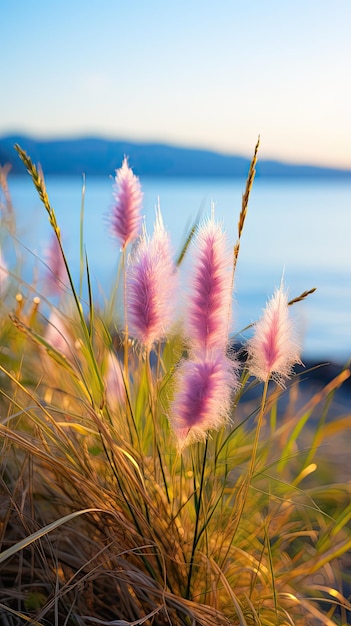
(151, 285)
(204, 387)
(125, 219)
(56, 274)
(274, 348)
(210, 299)
(106, 517)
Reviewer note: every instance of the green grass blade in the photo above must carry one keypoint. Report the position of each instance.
(22, 616)
(81, 240)
(20, 545)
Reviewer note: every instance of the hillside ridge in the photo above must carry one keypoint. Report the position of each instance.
(99, 156)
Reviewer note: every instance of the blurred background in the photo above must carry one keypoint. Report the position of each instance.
(195, 73)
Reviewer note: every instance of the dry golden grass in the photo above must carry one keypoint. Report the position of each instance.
(102, 521)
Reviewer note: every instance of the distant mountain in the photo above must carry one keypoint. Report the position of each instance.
(92, 155)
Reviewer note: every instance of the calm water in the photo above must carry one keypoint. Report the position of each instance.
(301, 228)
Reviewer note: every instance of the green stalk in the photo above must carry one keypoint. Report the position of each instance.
(198, 502)
(126, 339)
(152, 404)
(39, 183)
(81, 240)
(243, 492)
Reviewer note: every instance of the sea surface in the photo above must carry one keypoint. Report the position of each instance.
(299, 229)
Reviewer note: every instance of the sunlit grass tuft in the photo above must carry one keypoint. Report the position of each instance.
(105, 519)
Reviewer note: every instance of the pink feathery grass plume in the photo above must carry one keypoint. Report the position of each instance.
(203, 394)
(126, 217)
(115, 389)
(209, 310)
(274, 349)
(4, 274)
(57, 336)
(151, 285)
(56, 274)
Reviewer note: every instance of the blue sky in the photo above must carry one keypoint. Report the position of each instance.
(211, 74)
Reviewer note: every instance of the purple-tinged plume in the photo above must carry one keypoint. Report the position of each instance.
(203, 388)
(209, 311)
(3, 273)
(273, 350)
(115, 389)
(126, 214)
(151, 286)
(56, 274)
(57, 336)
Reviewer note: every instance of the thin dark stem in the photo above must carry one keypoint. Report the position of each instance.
(126, 331)
(243, 492)
(198, 510)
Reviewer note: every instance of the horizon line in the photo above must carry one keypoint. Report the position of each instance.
(82, 135)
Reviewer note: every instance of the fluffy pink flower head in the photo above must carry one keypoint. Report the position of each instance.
(126, 214)
(203, 393)
(115, 389)
(151, 286)
(57, 336)
(56, 274)
(273, 350)
(3, 273)
(209, 310)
